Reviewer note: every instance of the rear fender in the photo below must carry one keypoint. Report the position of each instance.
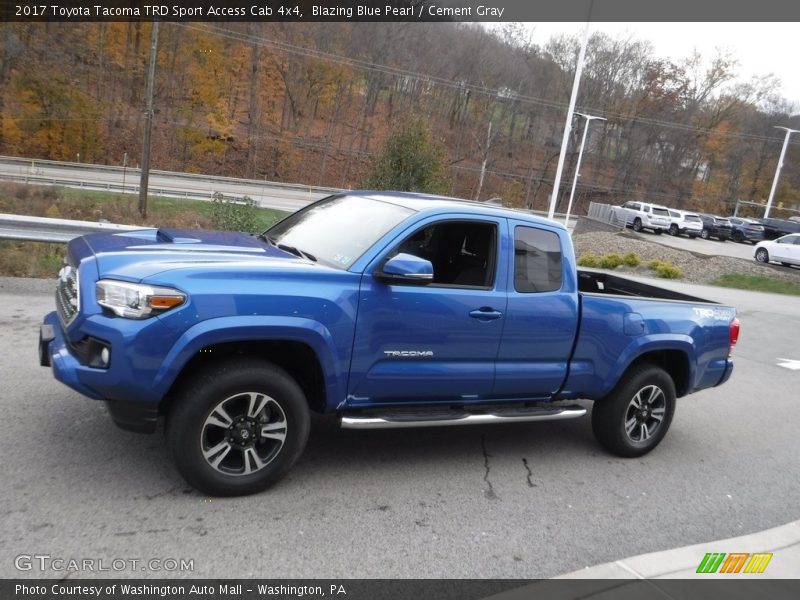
(640, 347)
(592, 381)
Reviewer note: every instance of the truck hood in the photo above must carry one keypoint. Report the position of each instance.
(135, 255)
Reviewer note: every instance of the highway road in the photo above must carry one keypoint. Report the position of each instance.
(506, 501)
(181, 185)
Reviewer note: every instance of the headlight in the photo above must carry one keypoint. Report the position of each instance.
(136, 301)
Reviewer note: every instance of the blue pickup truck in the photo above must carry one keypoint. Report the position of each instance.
(388, 309)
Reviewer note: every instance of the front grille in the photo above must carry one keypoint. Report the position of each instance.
(67, 301)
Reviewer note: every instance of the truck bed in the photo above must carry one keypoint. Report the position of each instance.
(596, 282)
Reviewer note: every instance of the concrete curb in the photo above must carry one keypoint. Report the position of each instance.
(682, 563)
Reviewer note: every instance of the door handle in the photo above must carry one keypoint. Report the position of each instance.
(485, 314)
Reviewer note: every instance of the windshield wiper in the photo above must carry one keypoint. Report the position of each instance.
(287, 248)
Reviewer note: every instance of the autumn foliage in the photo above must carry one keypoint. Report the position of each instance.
(323, 104)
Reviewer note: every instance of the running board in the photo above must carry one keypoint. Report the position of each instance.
(401, 419)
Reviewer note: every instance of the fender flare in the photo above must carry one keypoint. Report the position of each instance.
(644, 345)
(256, 328)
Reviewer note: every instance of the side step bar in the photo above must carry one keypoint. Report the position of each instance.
(401, 419)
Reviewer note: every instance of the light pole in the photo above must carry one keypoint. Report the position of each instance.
(789, 132)
(589, 119)
(568, 127)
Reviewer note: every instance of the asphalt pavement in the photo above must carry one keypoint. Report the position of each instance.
(506, 501)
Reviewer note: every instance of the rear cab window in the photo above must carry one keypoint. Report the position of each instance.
(537, 260)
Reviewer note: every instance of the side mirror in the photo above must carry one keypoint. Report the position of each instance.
(406, 268)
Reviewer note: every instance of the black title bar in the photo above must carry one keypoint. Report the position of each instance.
(400, 10)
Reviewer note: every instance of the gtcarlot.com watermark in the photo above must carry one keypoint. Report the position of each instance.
(60, 564)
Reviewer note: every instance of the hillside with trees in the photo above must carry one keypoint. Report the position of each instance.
(317, 102)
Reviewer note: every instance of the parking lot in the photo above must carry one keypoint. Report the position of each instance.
(700, 246)
(511, 501)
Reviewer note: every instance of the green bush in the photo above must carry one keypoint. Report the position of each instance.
(588, 260)
(234, 215)
(611, 261)
(654, 264)
(412, 160)
(668, 271)
(631, 260)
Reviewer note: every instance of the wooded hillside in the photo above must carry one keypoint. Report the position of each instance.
(314, 102)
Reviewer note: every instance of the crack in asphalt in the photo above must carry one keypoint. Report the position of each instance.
(530, 473)
(489, 492)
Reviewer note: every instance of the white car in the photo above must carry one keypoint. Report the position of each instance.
(683, 222)
(642, 215)
(785, 250)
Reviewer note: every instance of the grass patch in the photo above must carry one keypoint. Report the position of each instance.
(33, 259)
(90, 205)
(758, 284)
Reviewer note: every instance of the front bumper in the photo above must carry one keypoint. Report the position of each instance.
(54, 352)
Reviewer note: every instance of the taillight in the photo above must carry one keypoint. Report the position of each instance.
(734, 336)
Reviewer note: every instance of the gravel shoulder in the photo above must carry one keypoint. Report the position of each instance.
(695, 268)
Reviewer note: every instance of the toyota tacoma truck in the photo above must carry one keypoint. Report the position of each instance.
(387, 309)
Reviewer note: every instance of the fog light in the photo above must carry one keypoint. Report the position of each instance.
(105, 356)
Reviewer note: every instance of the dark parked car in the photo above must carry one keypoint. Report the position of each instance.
(746, 230)
(715, 227)
(775, 228)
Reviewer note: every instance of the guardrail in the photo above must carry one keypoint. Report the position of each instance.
(43, 229)
(31, 175)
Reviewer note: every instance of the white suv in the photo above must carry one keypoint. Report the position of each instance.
(683, 222)
(642, 215)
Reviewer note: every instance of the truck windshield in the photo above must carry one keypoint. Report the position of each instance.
(337, 230)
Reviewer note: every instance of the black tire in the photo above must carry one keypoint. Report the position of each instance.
(705, 234)
(253, 394)
(658, 231)
(628, 431)
(673, 230)
(786, 264)
(637, 225)
(738, 237)
(692, 236)
(762, 255)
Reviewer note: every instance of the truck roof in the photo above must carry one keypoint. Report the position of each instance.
(432, 203)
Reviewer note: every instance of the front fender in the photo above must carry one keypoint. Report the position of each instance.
(257, 328)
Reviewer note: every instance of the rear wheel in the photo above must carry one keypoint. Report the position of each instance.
(238, 428)
(673, 230)
(637, 225)
(762, 255)
(635, 416)
(738, 237)
(705, 234)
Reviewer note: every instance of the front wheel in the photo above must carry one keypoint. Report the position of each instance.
(673, 230)
(762, 255)
(637, 225)
(635, 416)
(238, 428)
(705, 234)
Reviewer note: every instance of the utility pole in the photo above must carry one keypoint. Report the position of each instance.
(148, 122)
